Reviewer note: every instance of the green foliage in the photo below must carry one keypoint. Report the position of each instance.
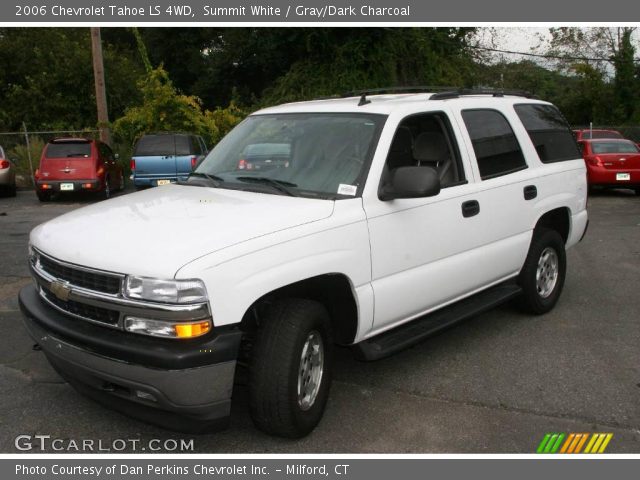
(341, 60)
(46, 79)
(164, 109)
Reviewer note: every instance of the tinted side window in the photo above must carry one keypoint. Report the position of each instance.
(183, 145)
(196, 148)
(549, 132)
(494, 143)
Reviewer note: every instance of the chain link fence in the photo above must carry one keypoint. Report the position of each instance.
(25, 148)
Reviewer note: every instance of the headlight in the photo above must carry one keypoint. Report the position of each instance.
(165, 291)
(166, 329)
(33, 255)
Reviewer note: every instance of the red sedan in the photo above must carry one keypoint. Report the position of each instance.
(612, 163)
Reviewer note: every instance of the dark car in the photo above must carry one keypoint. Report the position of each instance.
(162, 158)
(78, 164)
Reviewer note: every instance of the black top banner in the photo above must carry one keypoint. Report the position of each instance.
(316, 11)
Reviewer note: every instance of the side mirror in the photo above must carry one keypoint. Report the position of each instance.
(411, 182)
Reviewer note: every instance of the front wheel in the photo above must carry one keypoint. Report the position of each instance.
(290, 369)
(542, 276)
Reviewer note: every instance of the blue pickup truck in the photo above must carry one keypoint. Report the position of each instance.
(162, 158)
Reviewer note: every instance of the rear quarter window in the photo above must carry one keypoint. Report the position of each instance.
(549, 132)
(494, 143)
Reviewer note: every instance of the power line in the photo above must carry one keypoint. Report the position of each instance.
(540, 55)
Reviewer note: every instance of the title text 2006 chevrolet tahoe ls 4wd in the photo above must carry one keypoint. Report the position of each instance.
(388, 218)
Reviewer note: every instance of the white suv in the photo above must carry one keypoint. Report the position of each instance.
(379, 220)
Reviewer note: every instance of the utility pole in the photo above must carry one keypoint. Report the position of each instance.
(101, 93)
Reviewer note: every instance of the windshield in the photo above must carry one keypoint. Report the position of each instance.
(311, 154)
(613, 147)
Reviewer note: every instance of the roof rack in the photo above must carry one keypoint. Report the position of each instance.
(412, 89)
(481, 91)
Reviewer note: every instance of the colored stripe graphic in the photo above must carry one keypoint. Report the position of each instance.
(574, 443)
(598, 442)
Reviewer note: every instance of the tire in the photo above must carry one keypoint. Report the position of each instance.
(121, 182)
(282, 363)
(105, 194)
(13, 190)
(44, 196)
(637, 190)
(542, 276)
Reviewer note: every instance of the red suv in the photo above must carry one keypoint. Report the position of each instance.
(78, 164)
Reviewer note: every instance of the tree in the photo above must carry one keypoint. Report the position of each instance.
(610, 52)
(164, 109)
(46, 79)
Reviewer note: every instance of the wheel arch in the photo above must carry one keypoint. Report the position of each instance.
(558, 219)
(333, 290)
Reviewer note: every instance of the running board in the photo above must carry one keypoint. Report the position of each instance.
(410, 333)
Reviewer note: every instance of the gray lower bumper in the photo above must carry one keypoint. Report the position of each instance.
(192, 399)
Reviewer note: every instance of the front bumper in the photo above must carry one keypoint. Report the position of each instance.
(183, 386)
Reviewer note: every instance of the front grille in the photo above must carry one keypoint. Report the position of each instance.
(81, 278)
(83, 310)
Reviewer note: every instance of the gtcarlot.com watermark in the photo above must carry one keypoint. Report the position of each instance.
(47, 443)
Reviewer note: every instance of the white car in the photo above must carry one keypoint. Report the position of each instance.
(393, 217)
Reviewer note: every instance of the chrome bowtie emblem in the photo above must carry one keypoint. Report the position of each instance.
(60, 290)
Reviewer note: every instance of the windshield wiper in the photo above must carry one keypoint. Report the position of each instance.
(213, 180)
(280, 185)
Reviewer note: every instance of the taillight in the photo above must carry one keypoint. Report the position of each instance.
(242, 164)
(4, 164)
(193, 162)
(100, 170)
(133, 164)
(37, 173)
(595, 161)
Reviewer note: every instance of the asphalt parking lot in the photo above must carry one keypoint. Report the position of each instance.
(494, 384)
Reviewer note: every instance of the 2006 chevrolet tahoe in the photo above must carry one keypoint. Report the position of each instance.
(392, 217)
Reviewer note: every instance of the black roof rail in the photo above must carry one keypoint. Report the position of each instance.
(411, 89)
(480, 91)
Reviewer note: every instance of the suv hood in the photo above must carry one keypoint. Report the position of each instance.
(157, 231)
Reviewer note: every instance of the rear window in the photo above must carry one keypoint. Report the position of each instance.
(156, 145)
(68, 149)
(549, 132)
(613, 147)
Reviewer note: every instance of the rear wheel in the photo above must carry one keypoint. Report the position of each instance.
(44, 196)
(290, 368)
(121, 181)
(542, 276)
(106, 192)
(637, 190)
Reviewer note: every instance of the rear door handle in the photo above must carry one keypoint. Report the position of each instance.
(470, 208)
(530, 192)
